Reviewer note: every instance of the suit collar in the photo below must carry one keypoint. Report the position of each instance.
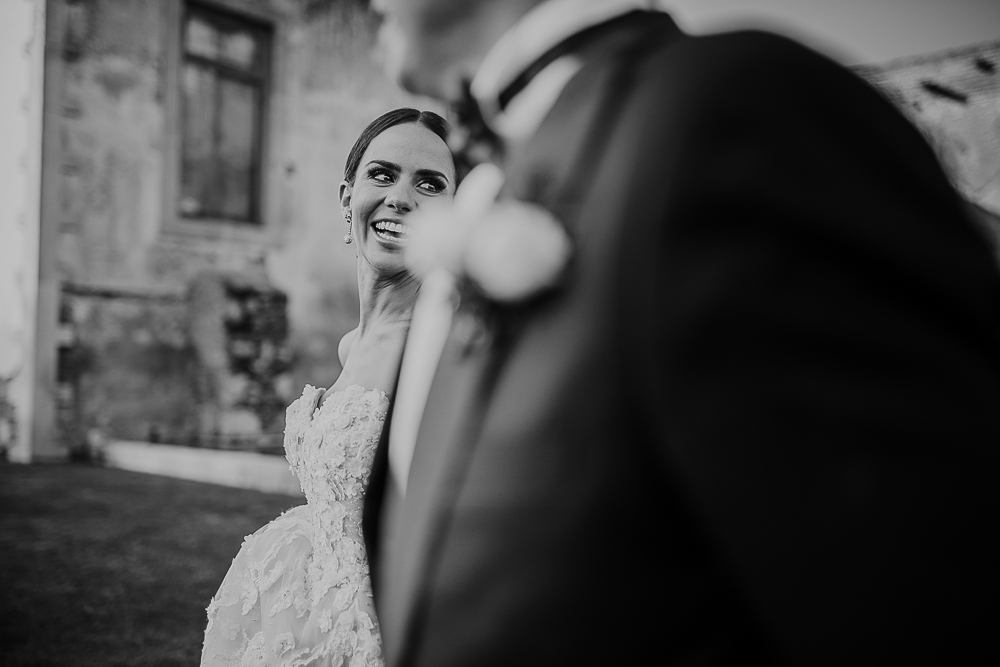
(457, 400)
(529, 60)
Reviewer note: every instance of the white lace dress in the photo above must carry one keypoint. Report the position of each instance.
(298, 591)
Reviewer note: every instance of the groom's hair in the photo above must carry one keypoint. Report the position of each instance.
(402, 116)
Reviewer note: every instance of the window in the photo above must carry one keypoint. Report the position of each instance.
(223, 90)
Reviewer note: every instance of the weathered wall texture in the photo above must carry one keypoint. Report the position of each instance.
(127, 264)
(126, 368)
(954, 98)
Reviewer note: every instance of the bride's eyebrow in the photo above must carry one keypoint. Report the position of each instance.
(431, 172)
(388, 165)
(421, 173)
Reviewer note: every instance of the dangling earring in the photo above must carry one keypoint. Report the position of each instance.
(348, 239)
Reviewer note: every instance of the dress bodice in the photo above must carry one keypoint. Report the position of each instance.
(330, 447)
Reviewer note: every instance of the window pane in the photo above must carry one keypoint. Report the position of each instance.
(237, 134)
(239, 48)
(198, 159)
(222, 84)
(201, 38)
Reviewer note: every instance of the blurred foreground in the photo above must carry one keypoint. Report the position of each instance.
(108, 567)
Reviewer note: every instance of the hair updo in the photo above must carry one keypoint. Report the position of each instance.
(402, 116)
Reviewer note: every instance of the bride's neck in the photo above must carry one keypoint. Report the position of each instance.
(385, 300)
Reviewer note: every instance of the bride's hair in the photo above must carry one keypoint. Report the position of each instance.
(402, 116)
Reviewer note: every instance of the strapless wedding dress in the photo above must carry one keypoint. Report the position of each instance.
(298, 591)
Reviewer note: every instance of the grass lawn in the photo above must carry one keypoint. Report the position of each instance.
(106, 567)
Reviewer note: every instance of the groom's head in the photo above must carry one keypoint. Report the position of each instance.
(432, 46)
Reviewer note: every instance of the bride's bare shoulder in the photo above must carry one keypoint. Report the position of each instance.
(346, 343)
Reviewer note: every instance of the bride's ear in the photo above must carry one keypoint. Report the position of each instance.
(345, 199)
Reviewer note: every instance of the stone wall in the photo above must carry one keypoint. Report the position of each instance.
(954, 98)
(127, 264)
(239, 331)
(126, 368)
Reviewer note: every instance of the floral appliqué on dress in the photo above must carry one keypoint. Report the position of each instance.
(298, 592)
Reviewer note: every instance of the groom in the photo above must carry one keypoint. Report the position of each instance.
(758, 420)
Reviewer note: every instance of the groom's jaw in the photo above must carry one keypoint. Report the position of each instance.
(437, 45)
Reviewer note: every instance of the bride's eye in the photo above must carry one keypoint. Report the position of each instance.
(433, 185)
(381, 175)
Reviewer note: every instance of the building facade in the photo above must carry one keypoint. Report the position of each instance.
(191, 269)
(193, 275)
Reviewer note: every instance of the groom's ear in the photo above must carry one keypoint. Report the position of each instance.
(345, 198)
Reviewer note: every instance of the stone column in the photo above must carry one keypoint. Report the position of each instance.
(22, 60)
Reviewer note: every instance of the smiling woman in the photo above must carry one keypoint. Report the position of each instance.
(398, 162)
(298, 591)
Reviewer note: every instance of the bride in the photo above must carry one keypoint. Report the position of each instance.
(298, 591)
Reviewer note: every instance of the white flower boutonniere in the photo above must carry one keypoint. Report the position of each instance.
(516, 250)
(512, 250)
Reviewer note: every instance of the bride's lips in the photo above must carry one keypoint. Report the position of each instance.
(392, 232)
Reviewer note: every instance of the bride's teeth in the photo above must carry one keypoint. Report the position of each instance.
(386, 227)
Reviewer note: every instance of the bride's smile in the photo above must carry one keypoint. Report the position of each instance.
(391, 231)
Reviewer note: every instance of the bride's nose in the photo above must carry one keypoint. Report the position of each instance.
(400, 198)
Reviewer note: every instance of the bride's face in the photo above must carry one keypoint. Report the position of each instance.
(405, 166)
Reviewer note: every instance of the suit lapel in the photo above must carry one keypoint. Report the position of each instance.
(465, 377)
(555, 168)
(372, 512)
(454, 412)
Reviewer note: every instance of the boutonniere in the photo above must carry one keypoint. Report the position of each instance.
(510, 250)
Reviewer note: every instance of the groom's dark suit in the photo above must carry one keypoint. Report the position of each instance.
(758, 424)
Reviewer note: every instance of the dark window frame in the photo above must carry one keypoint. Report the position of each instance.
(263, 33)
